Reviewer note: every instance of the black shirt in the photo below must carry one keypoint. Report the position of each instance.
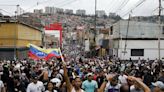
(148, 78)
(100, 80)
(20, 88)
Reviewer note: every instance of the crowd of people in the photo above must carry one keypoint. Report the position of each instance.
(81, 75)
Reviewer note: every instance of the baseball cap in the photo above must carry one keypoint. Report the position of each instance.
(158, 84)
(89, 74)
(56, 81)
(34, 76)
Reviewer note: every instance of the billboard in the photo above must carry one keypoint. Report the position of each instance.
(55, 30)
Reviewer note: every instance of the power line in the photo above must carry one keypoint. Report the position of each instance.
(70, 2)
(60, 2)
(57, 3)
(6, 12)
(21, 10)
(37, 4)
(9, 5)
(138, 4)
(47, 1)
(111, 5)
(122, 6)
(135, 6)
(154, 10)
(6, 5)
(44, 2)
(30, 7)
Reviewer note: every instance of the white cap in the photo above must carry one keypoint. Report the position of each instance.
(105, 70)
(159, 84)
(162, 70)
(57, 81)
(8, 61)
(18, 66)
(61, 71)
(89, 74)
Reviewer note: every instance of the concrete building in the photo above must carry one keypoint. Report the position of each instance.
(102, 41)
(100, 13)
(80, 12)
(38, 11)
(59, 10)
(14, 37)
(112, 14)
(49, 10)
(68, 11)
(140, 39)
(53, 10)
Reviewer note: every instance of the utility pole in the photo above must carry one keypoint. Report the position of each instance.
(15, 33)
(159, 32)
(127, 35)
(94, 30)
(95, 14)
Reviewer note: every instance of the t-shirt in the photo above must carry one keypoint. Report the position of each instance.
(148, 78)
(38, 87)
(123, 79)
(100, 80)
(53, 91)
(89, 86)
(1, 85)
(132, 89)
(73, 90)
(20, 88)
(110, 88)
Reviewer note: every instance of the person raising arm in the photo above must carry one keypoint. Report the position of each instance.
(77, 82)
(137, 81)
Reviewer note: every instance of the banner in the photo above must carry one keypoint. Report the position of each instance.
(38, 53)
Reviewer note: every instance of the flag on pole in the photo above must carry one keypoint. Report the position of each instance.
(38, 53)
(62, 57)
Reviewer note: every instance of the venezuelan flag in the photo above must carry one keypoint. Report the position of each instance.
(37, 53)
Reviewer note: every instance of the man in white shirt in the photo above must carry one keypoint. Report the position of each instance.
(123, 78)
(2, 89)
(35, 85)
(113, 85)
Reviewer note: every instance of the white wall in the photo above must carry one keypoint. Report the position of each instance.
(136, 30)
(56, 33)
(150, 48)
(87, 45)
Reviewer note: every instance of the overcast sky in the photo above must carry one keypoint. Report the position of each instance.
(121, 7)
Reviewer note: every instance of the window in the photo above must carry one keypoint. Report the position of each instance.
(137, 52)
(111, 30)
(163, 30)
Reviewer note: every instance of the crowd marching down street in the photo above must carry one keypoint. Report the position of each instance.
(107, 74)
(107, 46)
